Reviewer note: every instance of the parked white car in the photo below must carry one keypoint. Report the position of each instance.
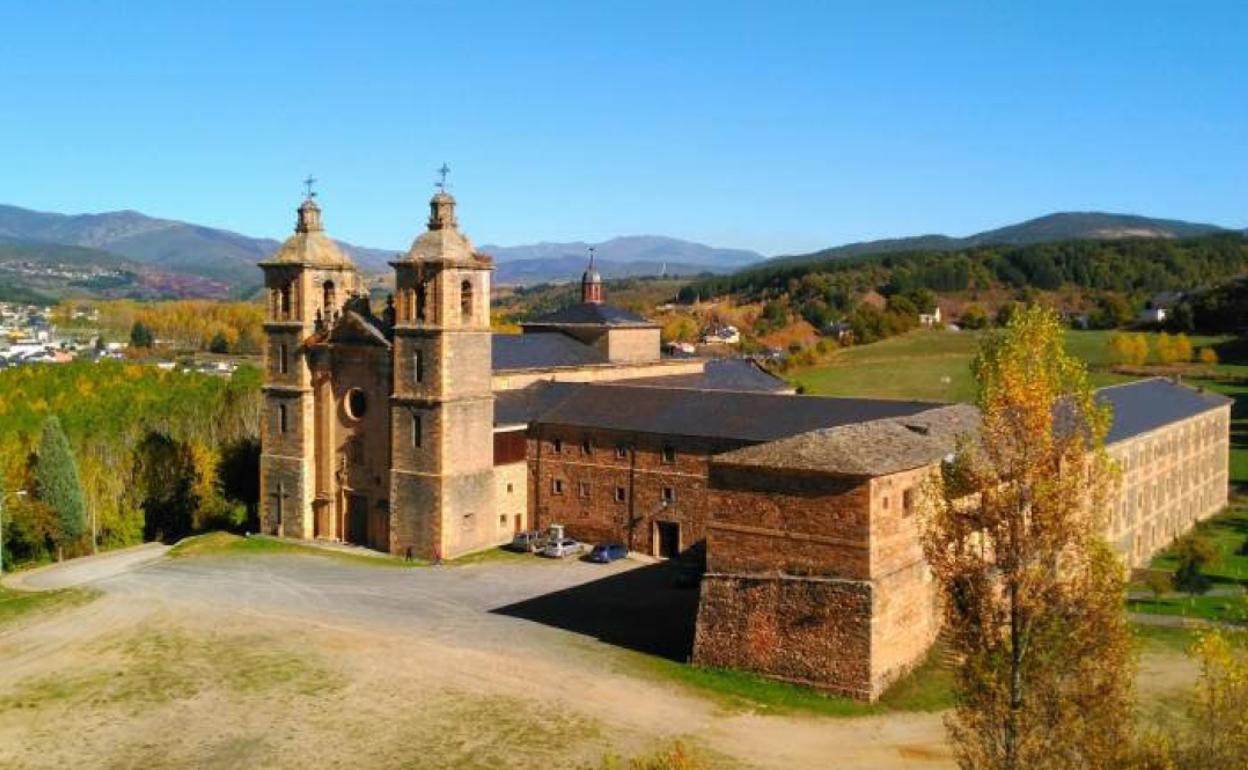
(566, 546)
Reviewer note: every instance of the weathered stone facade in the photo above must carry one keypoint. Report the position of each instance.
(643, 490)
(783, 545)
(1172, 477)
(379, 429)
(814, 579)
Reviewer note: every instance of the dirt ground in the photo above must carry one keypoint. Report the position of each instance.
(281, 661)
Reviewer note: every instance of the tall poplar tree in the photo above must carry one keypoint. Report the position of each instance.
(58, 484)
(1032, 594)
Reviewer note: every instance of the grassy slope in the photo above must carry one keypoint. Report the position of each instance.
(225, 544)
(935, 366)
(19, 605)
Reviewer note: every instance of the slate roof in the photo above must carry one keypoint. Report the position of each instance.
(751, 417)
(722, 374)
(589, 313)
(874, 448)
(541, 350)
(1146, 405)
(525, 405)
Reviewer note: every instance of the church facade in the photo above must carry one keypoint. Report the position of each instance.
(380, 426)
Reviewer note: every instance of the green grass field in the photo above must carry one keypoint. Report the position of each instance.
(224, 543)
(1228, 533)
(929, 687)
(935, 365)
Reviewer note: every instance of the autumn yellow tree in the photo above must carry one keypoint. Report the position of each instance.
(1128, 349)
(1031, 592)
(1208, 356)
(1182, 348)
(1166, 351)
(1215, 734)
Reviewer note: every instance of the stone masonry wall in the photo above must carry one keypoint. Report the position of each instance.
(619, 485)
(814, 631)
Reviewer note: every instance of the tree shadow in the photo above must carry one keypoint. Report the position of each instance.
(650, 609)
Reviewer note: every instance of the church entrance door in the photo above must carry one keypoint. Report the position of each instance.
(357, 520)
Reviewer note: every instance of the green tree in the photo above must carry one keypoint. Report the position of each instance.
(1031, 592)
(140, 335)
(1159, 583)
(1006, 312)
(973, 317)
(1195, 553)
(58, 484)
(219, 344)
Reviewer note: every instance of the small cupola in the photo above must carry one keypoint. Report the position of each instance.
(309, 217)
(442, 211)
(591, 283)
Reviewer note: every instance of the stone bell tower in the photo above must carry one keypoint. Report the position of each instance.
(307, 279)
(442, 407)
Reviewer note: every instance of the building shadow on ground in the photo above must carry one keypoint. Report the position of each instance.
(650, 609)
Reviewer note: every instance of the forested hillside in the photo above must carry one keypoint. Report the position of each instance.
(159, 454)
(1130, 266)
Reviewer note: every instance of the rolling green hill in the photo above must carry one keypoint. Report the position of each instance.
(1061, 226)
(1131, 266)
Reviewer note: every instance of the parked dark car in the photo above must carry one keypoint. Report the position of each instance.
(531, 541)
(605, 553)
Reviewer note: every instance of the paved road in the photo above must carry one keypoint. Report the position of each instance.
(626, 603)
(88, 569)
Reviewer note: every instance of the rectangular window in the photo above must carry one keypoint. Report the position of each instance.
(669, 495)
(281, 418)
(582, 489)
(283, 360)
(510, 486)
(621, 452)
(587, 447)
(669, 454)
(907, 501)
(621, 494)
(416, 431)
(556, 486)
(502, 520)
(557, 446)
(418, 366)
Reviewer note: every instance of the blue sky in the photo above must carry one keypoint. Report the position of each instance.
(780, 127)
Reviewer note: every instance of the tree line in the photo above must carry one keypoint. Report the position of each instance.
(1130, 266)
(113, 454)
(194, 325)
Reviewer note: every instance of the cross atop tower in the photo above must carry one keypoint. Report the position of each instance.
(443, 171)
(311, 180)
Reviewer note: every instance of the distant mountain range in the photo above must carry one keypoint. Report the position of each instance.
(160, 250)
(1061, 226)
(622, 257)
(127, 253)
